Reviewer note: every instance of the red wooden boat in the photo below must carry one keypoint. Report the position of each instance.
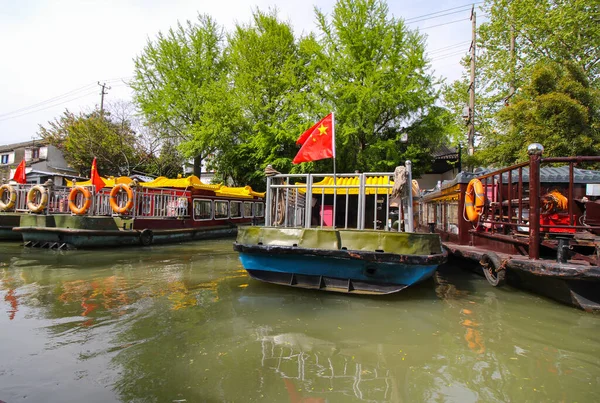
(535, 225)
(130, 213)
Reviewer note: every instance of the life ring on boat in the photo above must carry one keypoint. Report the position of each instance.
(32, 195)
(113, 198)
(146, 237)
(87, 200)
(12, 197)
(493, 269)
(474, 200)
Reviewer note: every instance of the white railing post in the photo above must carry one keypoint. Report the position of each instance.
(409, 227)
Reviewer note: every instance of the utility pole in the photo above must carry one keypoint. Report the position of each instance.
(513, 61)
(102, 94)
(471, 135)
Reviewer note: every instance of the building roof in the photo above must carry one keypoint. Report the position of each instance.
(14, 146)
(445, 152)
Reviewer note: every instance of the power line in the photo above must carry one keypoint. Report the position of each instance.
(443, 11)
(438, 16)
(446, 23)
(457, 45)
(66, 94)
(48, 107)
(446, 56)
(52, 102)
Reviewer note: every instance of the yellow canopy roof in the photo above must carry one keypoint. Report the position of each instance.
(191, 181)
(245, 192)
(180, 183)
(350, 181)
(110, 182)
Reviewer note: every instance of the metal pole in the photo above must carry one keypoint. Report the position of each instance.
(269, 201)
(535, 151)
(409, 227)
(308, 202)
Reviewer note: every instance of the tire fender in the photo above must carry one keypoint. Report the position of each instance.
(146, 237)
(493, 269)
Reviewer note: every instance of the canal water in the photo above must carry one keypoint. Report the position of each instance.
(184, 323)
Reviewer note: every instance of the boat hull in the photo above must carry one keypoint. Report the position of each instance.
(572, 284)
(8, 221)
(338, 260)
(83, 232)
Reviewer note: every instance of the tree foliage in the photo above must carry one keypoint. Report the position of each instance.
(87, 135)
(241, 100)
(180, 86)
(555, 45)
(556, 108)
(375, 75)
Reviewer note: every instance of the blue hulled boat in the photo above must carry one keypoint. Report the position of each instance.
(329, 245)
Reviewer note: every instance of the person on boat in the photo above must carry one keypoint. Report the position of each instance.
(554, 202)
(315, 218)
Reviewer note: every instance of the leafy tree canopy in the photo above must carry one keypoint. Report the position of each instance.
(241, 100)
(87, 135)
(374, 73)
(556, 108)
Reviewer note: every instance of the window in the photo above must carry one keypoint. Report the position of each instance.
(235, 209)
(4, 159)
(259, 210)
(221, 209)
(247, 209)
(202, 209)
(35, 153)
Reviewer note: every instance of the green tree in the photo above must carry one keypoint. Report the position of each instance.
(374, 74)
(543, 32)
(557, 108)
(180, 85)
(271, 87)
(87, 135)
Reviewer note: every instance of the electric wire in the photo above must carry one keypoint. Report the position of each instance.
(443, 11)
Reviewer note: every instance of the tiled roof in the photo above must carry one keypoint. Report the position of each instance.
(444, 152)
(14, 146)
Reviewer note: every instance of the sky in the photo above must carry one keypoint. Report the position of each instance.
(54, 52)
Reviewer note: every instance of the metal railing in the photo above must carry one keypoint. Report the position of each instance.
(147, 202)
(358, 200)
(517, 200)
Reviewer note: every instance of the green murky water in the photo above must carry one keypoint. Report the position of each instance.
(184, 323)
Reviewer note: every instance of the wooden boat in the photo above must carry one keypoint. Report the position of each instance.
(327, 246)
(130, 213)
(534, 225)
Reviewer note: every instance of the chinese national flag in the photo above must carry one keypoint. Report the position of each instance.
(318, 142)
(19, 176)
(97, 181)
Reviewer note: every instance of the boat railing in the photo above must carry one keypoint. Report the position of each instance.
(348, 200)
(21, 191)
(145, 203)
(520, 201)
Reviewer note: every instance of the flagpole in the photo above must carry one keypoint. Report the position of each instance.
(333, 146)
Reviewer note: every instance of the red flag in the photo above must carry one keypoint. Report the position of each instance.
(97, 181)
(318, 142)
(19, 175)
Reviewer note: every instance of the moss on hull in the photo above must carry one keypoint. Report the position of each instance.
(337, 239)
(75, 222)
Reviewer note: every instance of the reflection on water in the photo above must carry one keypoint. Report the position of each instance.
(185, 323)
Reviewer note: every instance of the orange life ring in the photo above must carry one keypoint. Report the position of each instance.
(113, 198)
(87, 200)
(32, 195)
(11, 199)
(474, 200)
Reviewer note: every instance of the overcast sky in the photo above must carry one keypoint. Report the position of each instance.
(55, 51)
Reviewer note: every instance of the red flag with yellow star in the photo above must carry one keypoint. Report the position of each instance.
(95, 178)
(318, 142)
